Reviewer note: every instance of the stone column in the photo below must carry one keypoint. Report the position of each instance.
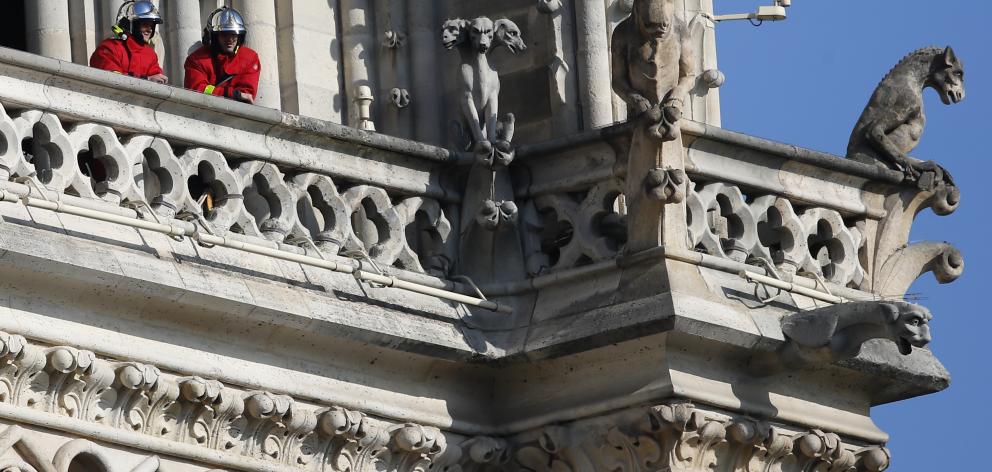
(260, 19)
(593, 61)
(184, 27)
(310, 74)
(425, 86)
(108, 13)
(47, 28)
(565, 117)
(83, 30)
(617, 11)
(358, 50)
(394, 65)
(708, 56)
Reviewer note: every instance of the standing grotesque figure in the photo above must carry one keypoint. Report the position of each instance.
(654, 64)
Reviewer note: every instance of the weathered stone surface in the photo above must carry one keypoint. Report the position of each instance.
(648, 264)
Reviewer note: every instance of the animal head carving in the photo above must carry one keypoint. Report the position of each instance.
(947, 77)
(480, 33)
(453, 32)
(508, 34)
(909, 326)
(655, 18)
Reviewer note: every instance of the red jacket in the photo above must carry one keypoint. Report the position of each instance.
(126, 57)
(204, 70)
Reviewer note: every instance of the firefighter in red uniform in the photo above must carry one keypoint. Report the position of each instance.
(223, 66)
(129, 51)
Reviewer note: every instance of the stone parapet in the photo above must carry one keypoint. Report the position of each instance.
(655, 291)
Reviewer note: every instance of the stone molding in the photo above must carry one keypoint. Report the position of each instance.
(680, 436)
(251, 430)
(72, 390)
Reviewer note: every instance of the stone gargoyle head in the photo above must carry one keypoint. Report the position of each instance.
(947, 77)
(655, 18)
(508, 34)
(909, 326)
(453, 32)
(837, 332)
(480, 33)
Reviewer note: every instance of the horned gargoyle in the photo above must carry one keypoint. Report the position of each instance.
(654, 65)
(892, 123)
(837, 332)
(478, 82)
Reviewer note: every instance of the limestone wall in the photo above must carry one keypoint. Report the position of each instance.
(316, 53)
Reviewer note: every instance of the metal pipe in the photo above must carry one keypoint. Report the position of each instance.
(182, 228)
(773, 282)
(358, 51)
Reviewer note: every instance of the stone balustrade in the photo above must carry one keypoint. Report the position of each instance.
(251, 175)
(778, 208)
(295, 347)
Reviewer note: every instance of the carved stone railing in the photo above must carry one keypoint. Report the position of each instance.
(747, 200)
(253, 198)
(814, 240)
(246, 171)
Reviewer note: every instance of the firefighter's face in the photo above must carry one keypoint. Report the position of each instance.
(228, 41)
(146, 29)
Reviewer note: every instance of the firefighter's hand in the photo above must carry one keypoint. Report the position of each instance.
(245, 97)
(159, 79)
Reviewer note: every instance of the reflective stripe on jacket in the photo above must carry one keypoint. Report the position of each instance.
(205, 72)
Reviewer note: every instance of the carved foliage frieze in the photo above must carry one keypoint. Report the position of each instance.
(139, 398)
(681, 437)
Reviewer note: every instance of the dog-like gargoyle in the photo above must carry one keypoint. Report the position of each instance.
(835, 333)
(478, 82)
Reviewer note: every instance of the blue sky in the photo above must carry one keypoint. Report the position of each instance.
(804, 81)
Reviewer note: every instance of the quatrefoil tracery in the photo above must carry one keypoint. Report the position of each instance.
(251, 197)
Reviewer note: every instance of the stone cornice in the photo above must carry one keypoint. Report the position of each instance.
(139, 406)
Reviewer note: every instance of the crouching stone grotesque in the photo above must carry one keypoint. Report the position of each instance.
(837, 332)
(654, 65)
(891, 124)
